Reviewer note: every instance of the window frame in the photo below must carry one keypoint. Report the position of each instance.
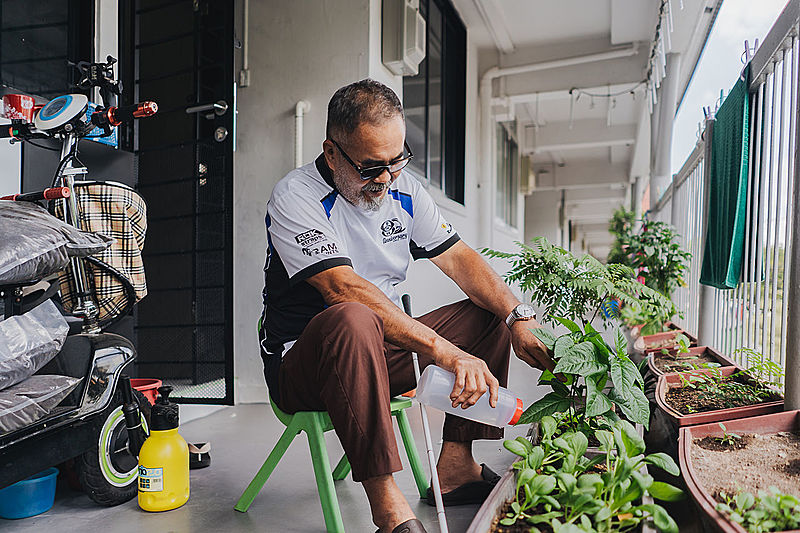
(453, 97)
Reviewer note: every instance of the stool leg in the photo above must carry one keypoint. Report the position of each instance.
(342, 469)
(411, 451)
(266, 469)
(322, 471)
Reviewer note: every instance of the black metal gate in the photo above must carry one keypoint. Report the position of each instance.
(182, 52)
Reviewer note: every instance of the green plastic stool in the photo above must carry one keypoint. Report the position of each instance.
(315, 423)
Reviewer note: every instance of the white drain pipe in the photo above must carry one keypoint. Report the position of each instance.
(300, 110)
(487, 179)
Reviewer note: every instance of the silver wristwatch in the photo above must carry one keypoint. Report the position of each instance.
(520, 312)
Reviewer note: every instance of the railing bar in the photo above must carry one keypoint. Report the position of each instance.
(770, 213)
(756, 220)
(762, 208)
(793, 101)
(779, 186)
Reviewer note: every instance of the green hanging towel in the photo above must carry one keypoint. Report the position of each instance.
(727, 204)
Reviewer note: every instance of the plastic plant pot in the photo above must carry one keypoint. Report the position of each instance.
(762, 425)
(29, 497)
(641, 343)
(148, 387)
(667, 381)
(697, 350)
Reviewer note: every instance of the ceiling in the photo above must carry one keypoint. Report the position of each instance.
(586, 126)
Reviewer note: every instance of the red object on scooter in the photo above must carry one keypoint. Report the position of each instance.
(148, 387)
(53, 193)
(18, 107)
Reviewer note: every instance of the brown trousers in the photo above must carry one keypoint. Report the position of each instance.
(341, 364)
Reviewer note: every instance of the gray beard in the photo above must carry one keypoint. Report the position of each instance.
(354, 194)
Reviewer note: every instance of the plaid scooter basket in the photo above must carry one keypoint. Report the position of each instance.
(116, 211)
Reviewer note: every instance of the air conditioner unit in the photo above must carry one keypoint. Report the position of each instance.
(527, 177)
(403, 35)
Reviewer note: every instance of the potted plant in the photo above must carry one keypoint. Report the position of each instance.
(718, 394)
(573, 291)
(669, 340)
(557, 488)
(745, 474)
(685, 358)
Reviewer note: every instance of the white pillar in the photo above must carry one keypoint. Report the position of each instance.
(667, 106)
(792, 284)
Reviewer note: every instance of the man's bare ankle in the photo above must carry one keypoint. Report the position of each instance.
(389, 506)
(456, 465)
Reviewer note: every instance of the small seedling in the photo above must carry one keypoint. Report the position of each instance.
(727, 439)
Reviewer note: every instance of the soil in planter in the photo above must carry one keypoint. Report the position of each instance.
(713, 443)
(766, 460)
(663, 343)
(680, 362)
(688, 400)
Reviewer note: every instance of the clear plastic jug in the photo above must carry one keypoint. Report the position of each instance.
(436, 384)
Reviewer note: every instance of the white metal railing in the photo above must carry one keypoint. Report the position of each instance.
(755, 313)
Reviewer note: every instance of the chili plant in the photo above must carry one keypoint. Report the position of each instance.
(558, 486)
(773, 511)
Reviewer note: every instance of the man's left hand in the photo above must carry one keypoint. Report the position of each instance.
(528, 347)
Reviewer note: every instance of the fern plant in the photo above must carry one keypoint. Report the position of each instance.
(576, 287)
(573, 290)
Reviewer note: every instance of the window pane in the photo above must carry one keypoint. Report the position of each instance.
(414, 94)
(434, 60)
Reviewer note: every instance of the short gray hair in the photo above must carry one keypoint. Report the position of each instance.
(365, 101)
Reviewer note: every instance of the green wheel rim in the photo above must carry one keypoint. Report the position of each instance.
(115, 478)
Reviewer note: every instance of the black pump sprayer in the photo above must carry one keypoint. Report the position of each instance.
(133, 417)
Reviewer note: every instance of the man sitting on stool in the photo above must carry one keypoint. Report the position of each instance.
(340, 232)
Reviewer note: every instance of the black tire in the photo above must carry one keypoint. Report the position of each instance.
(108, 472)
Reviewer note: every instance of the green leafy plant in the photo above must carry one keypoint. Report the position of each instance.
(575, 287)
(558, 486)
(587, 362)
(655, 253)
(740, 388)
(727, 439)
(773, 511)
(621, 227)
(762, 369)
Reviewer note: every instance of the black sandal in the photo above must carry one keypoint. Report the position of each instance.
(468, 493)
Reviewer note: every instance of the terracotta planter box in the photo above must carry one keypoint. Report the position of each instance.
(667, 381)
(698, 350)
(641, 343)
(765, 424)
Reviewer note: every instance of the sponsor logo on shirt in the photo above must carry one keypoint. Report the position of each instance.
(393, 230)
(323, 249)
(310, 237)
(447, 227)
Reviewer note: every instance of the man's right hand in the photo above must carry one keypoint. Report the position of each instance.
(473, 379)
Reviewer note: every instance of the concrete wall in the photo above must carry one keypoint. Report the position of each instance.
(301, 50)
(541, 216)
(306, 50)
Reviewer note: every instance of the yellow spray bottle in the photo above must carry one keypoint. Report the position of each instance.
(163, 459)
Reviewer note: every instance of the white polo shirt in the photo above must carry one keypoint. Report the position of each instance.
(311, 228)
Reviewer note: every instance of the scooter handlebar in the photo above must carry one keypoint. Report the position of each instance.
(53, 193)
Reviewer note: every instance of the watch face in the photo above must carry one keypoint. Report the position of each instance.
(525, 311)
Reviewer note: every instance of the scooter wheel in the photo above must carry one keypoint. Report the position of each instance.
(108, 473)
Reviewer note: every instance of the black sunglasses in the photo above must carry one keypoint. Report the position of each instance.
(373, 172)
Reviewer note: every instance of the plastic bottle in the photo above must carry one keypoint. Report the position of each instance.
(163, 459)
(436, 384)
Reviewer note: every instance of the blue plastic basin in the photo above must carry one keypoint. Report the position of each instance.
(29, 497)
